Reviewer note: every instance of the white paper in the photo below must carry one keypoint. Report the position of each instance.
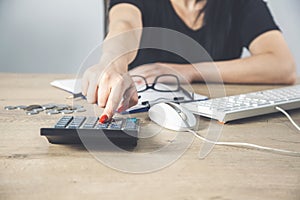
(70, 85)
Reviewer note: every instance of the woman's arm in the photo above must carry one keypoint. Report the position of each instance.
(108, 82)
(271, 62)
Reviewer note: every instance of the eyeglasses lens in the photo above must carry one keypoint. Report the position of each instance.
(166, 83)
(140, 83)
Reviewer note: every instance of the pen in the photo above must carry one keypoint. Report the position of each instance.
(145, 109)
(190, 101)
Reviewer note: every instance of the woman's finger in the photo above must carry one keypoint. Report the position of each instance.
(133, 100)
(130, 99)
(103, 90)
(116, 94)
(92, 91)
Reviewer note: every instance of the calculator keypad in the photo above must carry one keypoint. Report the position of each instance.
(77, 129)
(80, 122)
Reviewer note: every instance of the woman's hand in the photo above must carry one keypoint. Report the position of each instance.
(185, 73)
(108, 86)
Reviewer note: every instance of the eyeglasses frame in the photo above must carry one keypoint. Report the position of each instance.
(191, 96)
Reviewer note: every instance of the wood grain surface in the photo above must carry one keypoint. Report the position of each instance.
(31, 168)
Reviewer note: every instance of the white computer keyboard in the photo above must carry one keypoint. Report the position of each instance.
(241, 106)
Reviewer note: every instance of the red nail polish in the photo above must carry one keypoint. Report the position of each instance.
(103, 119)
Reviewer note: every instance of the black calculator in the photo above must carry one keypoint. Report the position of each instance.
(122, 132)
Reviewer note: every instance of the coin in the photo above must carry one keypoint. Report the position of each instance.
(80, 110)
(69, 108)
(32, 112)
(52, 112)
(59, 108)
(38, 110)
(10, 107)
(64, 112)
(32, 107)
(48, 106)
(21, 107)
(61, 105)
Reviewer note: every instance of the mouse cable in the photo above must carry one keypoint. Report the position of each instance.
(288, 116)
(254, 146)
(247, 145)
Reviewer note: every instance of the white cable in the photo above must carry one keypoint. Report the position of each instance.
(288, 116)
(242, 144)
(249, 145)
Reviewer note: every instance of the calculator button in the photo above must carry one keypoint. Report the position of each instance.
(101, 126)
(76, 122)
(63, 122)
(90, 122)
(89, 126)
(116, 124)
(60, 126)
(131, 123)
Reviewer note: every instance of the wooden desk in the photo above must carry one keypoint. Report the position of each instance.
(31, 168)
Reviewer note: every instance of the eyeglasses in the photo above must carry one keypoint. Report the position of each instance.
(162, 83)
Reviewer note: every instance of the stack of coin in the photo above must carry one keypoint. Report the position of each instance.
(49, 109)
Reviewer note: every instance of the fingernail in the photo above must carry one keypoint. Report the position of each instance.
(103, 119)
(120, 109)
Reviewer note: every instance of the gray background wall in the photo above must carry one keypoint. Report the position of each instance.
(54, 36)
(287, 15)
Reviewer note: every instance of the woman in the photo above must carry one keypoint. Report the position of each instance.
(222, 27)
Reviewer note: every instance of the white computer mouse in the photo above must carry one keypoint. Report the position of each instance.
(172, 116)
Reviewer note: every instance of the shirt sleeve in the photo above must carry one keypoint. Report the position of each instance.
(140, 4)
(257, 20)
(137, 3)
